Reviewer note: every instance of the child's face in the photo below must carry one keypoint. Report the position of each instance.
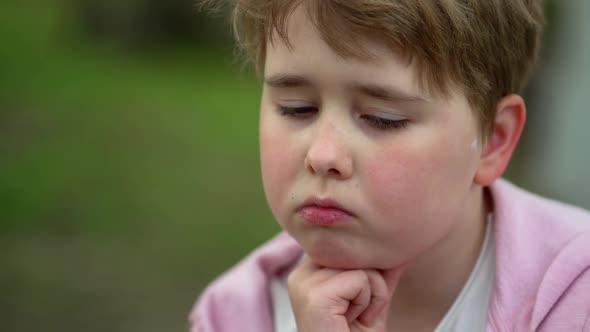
(399, 160)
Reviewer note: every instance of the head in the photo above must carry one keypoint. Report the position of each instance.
(401, 111)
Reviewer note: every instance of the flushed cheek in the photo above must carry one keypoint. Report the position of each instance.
(397, 186)
(278, 166)
(408, 186)
(414, 194)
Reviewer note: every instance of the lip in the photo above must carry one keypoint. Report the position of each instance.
(324, 212)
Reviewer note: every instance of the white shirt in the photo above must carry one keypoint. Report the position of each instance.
(468, 312)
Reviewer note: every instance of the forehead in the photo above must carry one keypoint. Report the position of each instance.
(305, 52)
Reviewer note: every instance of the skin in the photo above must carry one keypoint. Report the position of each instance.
(415, 190)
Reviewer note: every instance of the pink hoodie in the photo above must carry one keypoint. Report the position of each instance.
(542, 280)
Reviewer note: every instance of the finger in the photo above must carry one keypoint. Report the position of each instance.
(359, 304)
(349, 287)
(308, 272)
(380, 297)
(383, 284)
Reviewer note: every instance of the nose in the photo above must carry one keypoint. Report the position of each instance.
(327, 154)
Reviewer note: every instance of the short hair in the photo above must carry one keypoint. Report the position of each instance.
(487, 48)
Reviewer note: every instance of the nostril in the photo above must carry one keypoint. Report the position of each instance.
(333, 171)
(311, 169)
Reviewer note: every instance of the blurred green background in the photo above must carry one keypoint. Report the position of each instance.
(129, 168)
(128, 163)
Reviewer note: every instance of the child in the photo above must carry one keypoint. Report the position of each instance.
(385, 126)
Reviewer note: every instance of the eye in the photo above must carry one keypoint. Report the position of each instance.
(384, 124)
(297, 112)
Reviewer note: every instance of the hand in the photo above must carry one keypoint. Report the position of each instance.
(331, 300)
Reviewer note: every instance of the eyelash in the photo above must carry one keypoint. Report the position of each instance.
(297, 112)
(375, 121)
(384, 124)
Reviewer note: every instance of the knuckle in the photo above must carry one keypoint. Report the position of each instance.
(361, 276)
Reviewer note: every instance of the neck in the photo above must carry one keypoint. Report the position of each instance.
(434, 279)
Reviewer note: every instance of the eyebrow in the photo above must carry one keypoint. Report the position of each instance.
(377, 91)
(287, 81)
(385, 93)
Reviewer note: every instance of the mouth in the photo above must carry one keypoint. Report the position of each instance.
(324, 212)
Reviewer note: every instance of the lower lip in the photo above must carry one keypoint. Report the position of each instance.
(322, 216)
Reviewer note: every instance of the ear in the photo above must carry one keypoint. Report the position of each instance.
(508, 124)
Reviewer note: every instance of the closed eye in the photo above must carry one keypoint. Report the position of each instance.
(384, 124)
(298, 112)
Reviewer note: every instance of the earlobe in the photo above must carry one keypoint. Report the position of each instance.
(508, 125)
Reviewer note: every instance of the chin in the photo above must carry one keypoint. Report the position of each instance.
(339, 257)
(342, 250)
(338, 262)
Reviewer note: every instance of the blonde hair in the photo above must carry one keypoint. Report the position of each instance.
(485, 47)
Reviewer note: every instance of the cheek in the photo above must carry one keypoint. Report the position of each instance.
(278, 164)
(396, 181)
(409, 199)
(417, 183)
